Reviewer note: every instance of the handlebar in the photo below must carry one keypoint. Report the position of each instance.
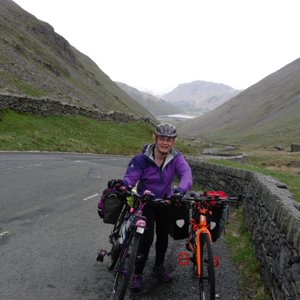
(196, 197)
(192, 198)
(148, 198)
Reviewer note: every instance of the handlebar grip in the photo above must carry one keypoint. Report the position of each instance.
(164, 202)
(196, 194)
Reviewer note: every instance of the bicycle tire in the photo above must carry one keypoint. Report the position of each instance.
(116, 247)
(207, 283)
(125, 267)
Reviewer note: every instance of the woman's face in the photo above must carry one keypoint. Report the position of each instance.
(164, 144)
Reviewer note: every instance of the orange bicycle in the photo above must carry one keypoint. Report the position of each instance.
(200, 237)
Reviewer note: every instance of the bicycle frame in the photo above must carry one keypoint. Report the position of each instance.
(134, 222)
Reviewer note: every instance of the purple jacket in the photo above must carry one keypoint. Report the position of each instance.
(143, 169)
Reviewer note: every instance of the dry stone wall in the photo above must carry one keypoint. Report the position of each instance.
(273, 218)
(48, 107)
(295, 147)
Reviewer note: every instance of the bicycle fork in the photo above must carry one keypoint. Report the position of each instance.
(199, 248)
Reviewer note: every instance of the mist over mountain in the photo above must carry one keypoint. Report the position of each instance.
(38, 62)
(194, 98)
(199, 97)
(268, 111)
(157, 106)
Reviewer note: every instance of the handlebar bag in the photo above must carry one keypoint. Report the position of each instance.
(179, 225)
(110, 206)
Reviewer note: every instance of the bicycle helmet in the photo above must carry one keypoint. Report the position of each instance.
(166, 129)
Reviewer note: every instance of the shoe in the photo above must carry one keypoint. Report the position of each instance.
(161, 272)
(136, 282)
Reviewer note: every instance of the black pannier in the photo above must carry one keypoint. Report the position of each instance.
(219, 215)
(179, 223)
(111, 203)
(218, 221)
(111, 208)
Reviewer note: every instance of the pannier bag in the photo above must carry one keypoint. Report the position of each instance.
(179, 223)
(110, 205)
(219, 215)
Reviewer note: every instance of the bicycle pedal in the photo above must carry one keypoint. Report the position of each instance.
(101, 255)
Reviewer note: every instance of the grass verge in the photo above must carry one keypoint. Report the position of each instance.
(291, 179)
(242, 253)
(26, 132)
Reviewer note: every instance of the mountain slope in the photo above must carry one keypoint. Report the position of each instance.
(199, 96)
(38, 62)
(266, 112)
(155, 105)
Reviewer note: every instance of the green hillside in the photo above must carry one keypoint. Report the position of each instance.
(38, 62)
(265, 114)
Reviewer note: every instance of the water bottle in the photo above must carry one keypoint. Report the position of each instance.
(122, 233)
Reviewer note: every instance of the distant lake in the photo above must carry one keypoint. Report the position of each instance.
(178, 116)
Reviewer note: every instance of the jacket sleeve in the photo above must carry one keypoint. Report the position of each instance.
(184, 173)
(133, 173)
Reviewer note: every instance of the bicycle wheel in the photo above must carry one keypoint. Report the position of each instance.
(125, 266)
(114, 240)
(207, 282)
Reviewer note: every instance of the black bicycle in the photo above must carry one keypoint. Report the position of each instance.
(125, 238)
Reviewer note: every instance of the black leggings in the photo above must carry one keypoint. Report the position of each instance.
(159, 218)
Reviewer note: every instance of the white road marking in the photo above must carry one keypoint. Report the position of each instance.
(21, 167)
(90, 197)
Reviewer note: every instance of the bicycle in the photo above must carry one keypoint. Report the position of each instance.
(199, 240)
(125, 238)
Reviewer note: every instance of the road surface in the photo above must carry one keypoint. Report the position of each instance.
(50, 233)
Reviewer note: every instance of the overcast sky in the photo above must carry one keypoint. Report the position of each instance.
(155, 45)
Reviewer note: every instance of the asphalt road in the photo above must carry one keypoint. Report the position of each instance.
(50, 233)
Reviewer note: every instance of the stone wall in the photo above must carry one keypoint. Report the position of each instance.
(295, 147)
(47, 107)
(273, 218)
